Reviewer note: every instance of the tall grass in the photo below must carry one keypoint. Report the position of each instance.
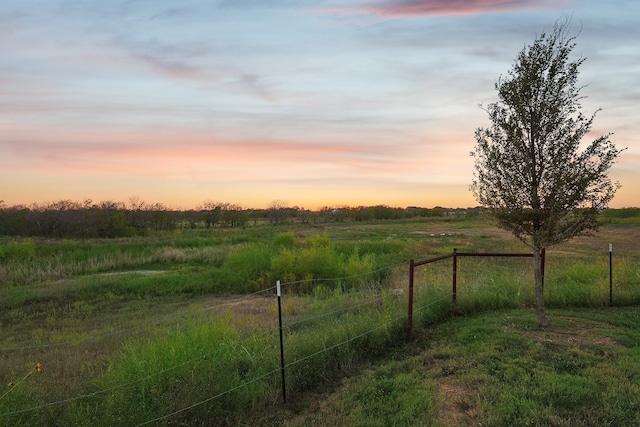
(337, 344)
(218, 373)
(208, 359)
(92, 259)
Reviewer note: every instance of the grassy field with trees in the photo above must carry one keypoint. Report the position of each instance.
(179, 326)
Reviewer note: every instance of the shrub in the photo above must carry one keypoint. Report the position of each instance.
(358, 270)
(285, 240)
(319, 259)
(15, 249)
(319, 262)
(244, 270)
(283, 266)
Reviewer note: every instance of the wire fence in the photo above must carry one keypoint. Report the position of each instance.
(142, 325)
(363, 300)
(369, 298)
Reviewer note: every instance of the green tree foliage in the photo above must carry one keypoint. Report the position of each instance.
(531, 168)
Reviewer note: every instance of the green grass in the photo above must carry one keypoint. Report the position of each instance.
(143, 327)
(216, 363)
(496, 369)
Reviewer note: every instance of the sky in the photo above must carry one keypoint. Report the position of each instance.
(309, 103)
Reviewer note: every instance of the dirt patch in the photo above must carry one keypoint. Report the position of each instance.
(73, 279)
(456, 408)
(580, 333)
(140, 272)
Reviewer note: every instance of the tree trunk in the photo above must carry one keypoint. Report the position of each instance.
(539, 283)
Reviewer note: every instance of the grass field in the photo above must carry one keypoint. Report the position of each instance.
(182, 328)
(496, 369)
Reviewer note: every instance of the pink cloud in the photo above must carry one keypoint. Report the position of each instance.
(408, 8)
(160, 153)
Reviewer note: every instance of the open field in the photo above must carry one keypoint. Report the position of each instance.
(182, 327)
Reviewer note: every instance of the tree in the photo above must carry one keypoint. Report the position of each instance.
(211, 212)
(232, 214)
(530, 167)
(136, 205)
(277, 211)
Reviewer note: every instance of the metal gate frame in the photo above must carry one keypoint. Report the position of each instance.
(455, 254)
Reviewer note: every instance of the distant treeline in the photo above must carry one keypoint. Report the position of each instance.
(67, 218)
(107, 219)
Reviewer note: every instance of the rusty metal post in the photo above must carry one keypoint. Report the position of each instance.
(611, 274)
(410, 308)
(454, 296)
(542, 261)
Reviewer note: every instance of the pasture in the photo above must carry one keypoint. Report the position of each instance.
(181, 328)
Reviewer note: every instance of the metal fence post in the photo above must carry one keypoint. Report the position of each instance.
(284, 388)
(454, 291)
(611, 274)
(410, 307)
(543, 256)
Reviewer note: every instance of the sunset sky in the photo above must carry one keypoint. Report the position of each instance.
(310, 102)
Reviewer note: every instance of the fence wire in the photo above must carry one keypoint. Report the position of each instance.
(168, 318)
(164, 320)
